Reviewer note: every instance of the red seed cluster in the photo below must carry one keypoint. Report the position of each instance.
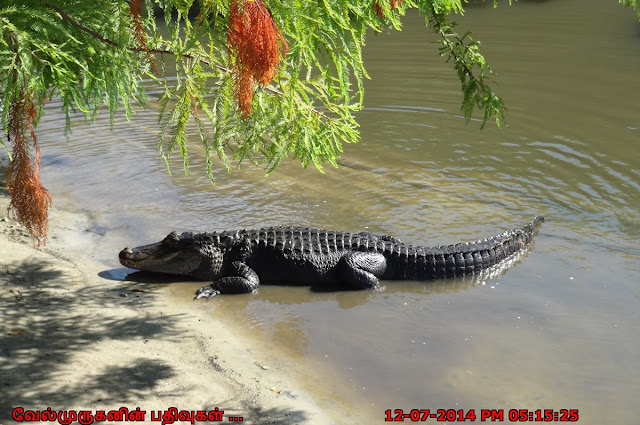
(243, 90)
(29, 199)
(139, 34)
(256, 43)
(378, 8)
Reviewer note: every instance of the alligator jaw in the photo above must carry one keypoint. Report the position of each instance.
(144, 257)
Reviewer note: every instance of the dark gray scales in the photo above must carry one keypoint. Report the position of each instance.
(237, 261)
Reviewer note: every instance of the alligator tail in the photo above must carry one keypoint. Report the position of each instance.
(423, 263)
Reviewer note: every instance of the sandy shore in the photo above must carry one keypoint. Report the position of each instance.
(72, 340)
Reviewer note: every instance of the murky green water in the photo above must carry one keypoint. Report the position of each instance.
(558, 330)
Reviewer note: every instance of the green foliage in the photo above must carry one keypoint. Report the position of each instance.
(471, 68)
(633, 3)
(42, 51)
(86, 52)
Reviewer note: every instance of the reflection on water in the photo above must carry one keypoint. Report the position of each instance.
(558, 330)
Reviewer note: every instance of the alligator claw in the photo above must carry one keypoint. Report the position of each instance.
(206, 292)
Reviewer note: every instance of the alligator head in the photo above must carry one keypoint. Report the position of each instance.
(179, 253)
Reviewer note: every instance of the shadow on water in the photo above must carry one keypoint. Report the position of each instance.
(124, 274)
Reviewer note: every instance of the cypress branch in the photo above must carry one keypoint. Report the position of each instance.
(91, 53)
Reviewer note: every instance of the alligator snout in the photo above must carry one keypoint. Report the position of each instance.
(130, 257)
(125, 255)
(134, 257)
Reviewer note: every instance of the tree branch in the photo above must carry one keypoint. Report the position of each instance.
(78, 25)
(451, 51)
(99, 37)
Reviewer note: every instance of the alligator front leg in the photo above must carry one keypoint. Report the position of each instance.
(240, 280)
(361, 270)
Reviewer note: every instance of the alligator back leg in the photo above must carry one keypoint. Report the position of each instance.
(361, 270)
(240, 280)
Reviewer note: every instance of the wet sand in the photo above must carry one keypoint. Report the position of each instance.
(73, 340)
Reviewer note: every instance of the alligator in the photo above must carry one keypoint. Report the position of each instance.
(237, 261)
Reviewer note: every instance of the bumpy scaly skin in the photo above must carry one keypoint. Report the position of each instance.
(237, 261)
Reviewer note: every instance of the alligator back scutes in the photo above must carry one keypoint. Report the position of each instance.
(309, 240)
(469, 256)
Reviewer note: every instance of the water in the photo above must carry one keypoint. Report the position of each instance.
(559, 330)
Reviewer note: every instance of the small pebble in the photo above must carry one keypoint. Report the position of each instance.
(265, 367)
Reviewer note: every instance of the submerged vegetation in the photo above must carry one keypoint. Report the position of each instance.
(260, 80)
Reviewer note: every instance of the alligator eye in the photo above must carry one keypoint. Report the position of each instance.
(173, 237)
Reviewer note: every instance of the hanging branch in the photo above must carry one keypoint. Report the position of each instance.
(466, 56)
(29, 199)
